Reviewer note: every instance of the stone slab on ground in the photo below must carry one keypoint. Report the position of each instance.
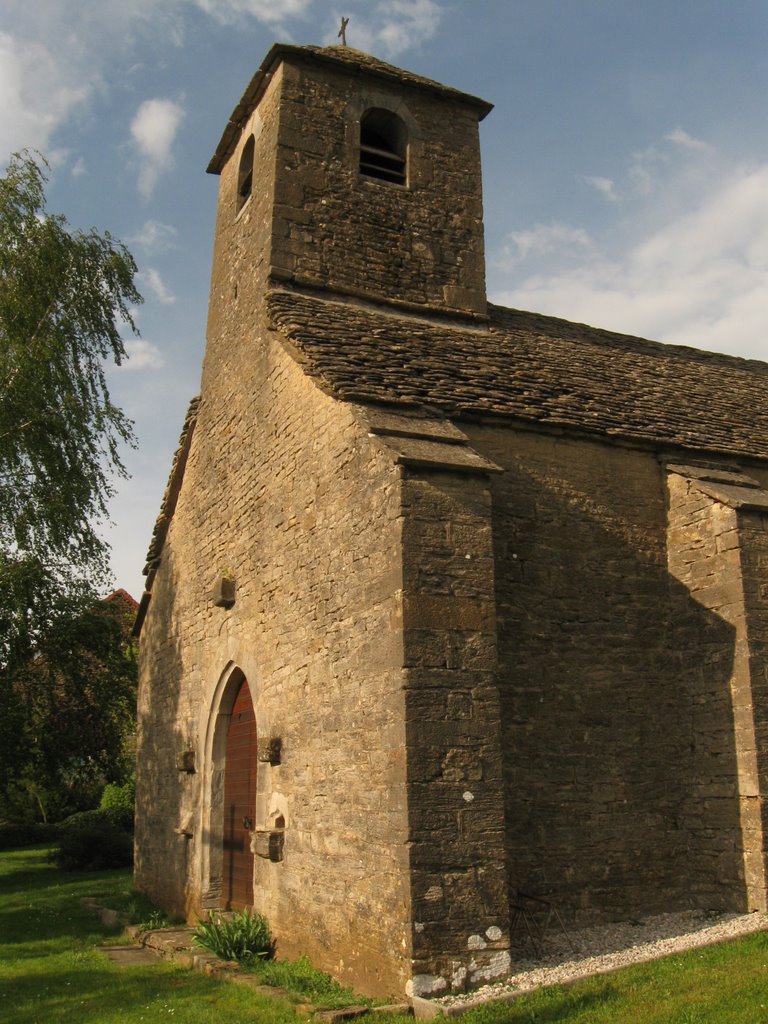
(176, 943)
(109, 918)
(128, 956)
(341, 1014)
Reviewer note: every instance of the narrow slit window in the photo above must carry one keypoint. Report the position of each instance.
(383, 146)
(245, 173)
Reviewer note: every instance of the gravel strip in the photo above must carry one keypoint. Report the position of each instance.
(598, 950)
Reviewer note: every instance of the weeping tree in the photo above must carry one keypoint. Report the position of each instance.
(65, 296)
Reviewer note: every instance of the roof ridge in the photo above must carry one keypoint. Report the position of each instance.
(533, 369)
(604, 336)
(429, 316)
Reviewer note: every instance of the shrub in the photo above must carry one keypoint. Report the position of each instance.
(242, 936)
(14, 835)
(117, 797)
(112, 817)
(95, 840)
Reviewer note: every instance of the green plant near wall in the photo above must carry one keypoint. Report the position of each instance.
(303, 979)
(241, 936)
(122, 797)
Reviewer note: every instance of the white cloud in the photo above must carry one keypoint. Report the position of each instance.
(682, 138)
(38, 92)
(389, 26)
(79, 168)
(605, 186)
(153, 130)
(142, 355)
(271, 12)
(152, 279)
(643, 171)
(678, 159)
(407, 23)
(55, 55)
(542, 240)
(700, 279)
(154, 237)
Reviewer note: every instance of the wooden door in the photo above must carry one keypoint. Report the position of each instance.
(239, 802)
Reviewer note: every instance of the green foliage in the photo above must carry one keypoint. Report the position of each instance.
(121, 797)
(111, 817)
(94, 849)
(67, 713)
(301, 977)
(154, 919)
(64, 296)
(242, 936)
(95, 840)
(51, 970)
(67, 674)
(15, 836)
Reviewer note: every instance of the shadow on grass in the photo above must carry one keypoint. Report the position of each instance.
(88, 994)
(25, 931)
(547, 1007)
(40, 903)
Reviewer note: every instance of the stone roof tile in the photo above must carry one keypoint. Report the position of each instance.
(530, 367)
(173, 487)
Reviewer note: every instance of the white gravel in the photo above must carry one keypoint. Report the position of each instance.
(606, 948)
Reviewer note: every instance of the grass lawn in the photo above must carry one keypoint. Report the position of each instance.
(50, 972)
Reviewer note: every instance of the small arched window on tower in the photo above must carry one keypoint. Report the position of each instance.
(383, 146)
(245, 173)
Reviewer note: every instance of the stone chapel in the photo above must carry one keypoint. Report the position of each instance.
(445, 600)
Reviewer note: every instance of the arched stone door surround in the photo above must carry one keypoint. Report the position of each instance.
(217, 875)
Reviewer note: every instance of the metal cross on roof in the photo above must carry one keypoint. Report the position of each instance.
(343, 31)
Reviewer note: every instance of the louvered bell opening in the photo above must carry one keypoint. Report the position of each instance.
(246, 186)
(383, 147)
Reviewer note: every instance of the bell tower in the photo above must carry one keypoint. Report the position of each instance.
(344, 174)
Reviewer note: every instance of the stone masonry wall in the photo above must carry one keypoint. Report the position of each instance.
(172, 683)
(284, 491)
(614, 687)
(704, 556)
(334, 228)
(481, 683)
(241, 262)
(455, 798)
(719, 553)
(751, 708)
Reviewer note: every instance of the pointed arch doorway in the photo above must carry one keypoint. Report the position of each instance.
(239, 802)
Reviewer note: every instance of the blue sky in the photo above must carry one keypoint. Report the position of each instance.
(625, 164)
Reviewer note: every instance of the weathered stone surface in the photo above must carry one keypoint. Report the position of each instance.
(713, 556)
(345, 1013)
(128, 956)
(535, 369)
(501, 588)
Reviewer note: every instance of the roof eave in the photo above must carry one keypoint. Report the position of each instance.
(260, 81)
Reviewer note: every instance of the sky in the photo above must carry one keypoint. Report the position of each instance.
(625, 164)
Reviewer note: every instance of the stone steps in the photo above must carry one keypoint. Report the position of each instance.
(176, 944)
